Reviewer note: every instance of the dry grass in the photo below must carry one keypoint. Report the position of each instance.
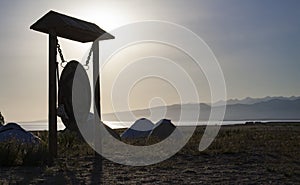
(263, 154)
(14, 153)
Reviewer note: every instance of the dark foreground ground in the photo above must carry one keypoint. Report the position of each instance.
(241, 154)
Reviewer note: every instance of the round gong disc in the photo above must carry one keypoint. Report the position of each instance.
(74, 94)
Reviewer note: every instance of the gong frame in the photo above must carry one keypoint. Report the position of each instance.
(59, 25)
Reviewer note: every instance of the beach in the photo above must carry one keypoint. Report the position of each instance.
(241, 154)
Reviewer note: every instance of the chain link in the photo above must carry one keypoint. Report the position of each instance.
(61, 55)
(88, 58)
(64, 61)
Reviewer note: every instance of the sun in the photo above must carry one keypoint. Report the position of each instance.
(105, 17)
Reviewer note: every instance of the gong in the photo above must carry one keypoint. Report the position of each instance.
(74, 95)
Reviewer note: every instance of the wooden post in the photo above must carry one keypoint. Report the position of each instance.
(97, 107)
(96, 89)
(52, 119)
(96, 78)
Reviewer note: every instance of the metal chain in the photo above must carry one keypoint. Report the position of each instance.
(88, 58)
(61, 55)
(64, 61)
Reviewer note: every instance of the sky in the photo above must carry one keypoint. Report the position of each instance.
(256, 42)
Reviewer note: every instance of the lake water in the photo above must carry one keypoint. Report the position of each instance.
(43, 125)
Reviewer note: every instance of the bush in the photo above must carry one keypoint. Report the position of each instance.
(8, 153)
(33, 155)
(14, 153)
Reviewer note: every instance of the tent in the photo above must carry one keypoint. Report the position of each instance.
(140, 129)
(162, 129)
(14, 132)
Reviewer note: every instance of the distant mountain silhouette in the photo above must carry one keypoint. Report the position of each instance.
(269, 108)
(250, 100)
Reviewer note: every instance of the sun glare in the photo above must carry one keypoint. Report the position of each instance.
(105, 17)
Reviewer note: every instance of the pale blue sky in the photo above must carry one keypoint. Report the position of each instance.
(257, 43)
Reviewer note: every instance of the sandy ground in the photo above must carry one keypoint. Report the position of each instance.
(257, 154)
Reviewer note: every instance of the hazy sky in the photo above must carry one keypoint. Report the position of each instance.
(257, 44)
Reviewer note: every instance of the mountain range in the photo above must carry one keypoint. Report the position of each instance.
(268, 108)
(249, 100)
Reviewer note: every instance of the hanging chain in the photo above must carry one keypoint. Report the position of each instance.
(61, 55)
(88, 58)
(64, 61)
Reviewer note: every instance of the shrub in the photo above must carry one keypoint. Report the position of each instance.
(14, 152)
(8, 153)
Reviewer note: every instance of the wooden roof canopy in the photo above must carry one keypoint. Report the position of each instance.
(70, 28)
